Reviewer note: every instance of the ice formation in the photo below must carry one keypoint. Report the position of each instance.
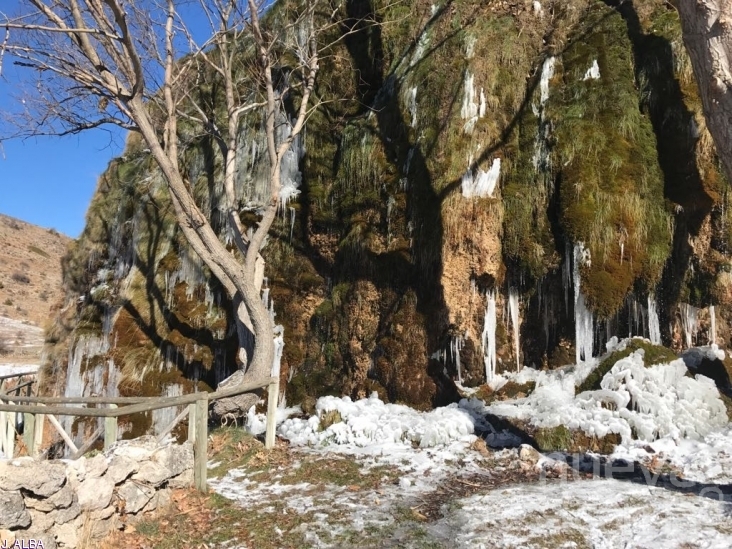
(473, 106)
(541, 147)
(547, 71)
(456, 345)
(370, 421)
(412, 105)
(583, 318)
(481, 184)
(488, 338)
(654, 327)
(513, 313)
(712, 325)
(593, 73)
(633, 400)
(689, 322)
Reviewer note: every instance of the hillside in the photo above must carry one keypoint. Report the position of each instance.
(30, 285)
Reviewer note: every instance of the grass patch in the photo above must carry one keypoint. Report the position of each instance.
(341, 472)
(563, 439)
(567, 537)
(235, 448)
(653, 354)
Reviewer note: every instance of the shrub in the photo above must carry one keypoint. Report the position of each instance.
(37, 250)
(20, 277)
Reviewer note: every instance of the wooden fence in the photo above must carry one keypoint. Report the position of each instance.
(36, 410)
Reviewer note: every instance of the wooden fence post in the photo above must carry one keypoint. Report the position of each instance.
(110, 430)
(38, 433)
(201, 444)
(273, 391)
(192, 422)
(29, 433)
(2, 433)
(9, 434)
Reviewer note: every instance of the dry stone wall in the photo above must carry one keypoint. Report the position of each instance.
(63, 503)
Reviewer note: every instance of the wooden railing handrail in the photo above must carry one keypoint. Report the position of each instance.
(23, 374)
(140, 404)
(77, 400)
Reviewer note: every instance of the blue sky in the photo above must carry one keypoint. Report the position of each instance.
(49, 181)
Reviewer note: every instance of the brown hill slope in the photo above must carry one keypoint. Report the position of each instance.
(30, 282)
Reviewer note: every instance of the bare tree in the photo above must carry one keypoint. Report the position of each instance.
(98, 62)
(707, 31)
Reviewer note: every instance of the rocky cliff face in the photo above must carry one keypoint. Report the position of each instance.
(499, 184)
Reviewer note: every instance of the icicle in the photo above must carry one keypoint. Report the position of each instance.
(654, 327)
(547, 71)
(689, 321)
(474, 105)
(583, 319)
(593, 73)
(481, 184)
(412, 105)
(567, 275)
(513, 311)
(489, 336)
(292, 222)
(712, 326)
(456, 345)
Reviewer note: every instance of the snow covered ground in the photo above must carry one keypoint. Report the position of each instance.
(441, 486)
(602, 514)
(16, 369)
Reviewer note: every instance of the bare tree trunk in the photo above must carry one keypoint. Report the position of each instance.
(707, 31)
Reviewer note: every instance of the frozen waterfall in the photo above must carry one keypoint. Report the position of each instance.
(593, 73)
(489, 336)
(481, 184)
(712, 325)
(513, 312)
(547, 71)
(583, 320)
(654, 327)
(471, 110)
(689, 322)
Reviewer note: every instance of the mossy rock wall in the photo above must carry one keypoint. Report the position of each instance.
(379, 270)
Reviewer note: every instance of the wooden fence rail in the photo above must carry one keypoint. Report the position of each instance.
(35, 409)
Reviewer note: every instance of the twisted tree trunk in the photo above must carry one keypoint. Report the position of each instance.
(707, 31)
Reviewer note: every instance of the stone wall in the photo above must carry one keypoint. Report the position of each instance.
(64, 503)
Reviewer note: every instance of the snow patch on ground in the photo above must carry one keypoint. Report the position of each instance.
(369, 422)
(603, 514)
(18, 369)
